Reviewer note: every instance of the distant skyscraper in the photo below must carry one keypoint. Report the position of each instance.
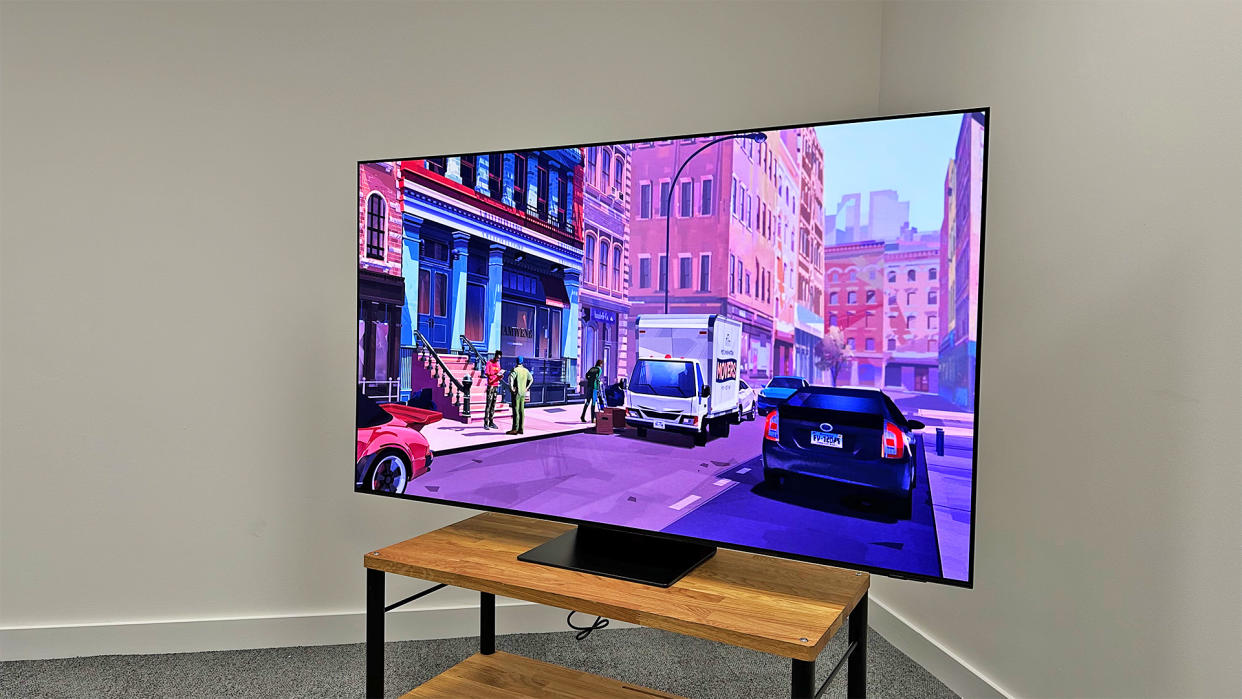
(848, 218)
(887, 215)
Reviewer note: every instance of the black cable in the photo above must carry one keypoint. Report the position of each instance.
(584, 631)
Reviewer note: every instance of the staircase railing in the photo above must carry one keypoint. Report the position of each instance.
(472, 353)
(458, 392)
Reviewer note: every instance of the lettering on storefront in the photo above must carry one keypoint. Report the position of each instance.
(514, 331)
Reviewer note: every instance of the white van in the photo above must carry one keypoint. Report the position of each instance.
(685, 378)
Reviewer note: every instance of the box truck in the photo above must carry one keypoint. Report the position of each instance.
(685, 377)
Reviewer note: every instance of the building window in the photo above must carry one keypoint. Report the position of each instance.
(664, 194)
(852, 297)
(867, 319)
(706, 196)
(468, 170)
(705, 272)
(932, 322)
(644, 272)
(604, 158)
(892, 276)
(909, 298)
(733, 198)
(870, 344)
(834, 297)
(870, 295)
(495, 175)
(739, 276)
(931, 274)
(853, 272)
(832, 320)
(850, 343)
(684, 272)
(377, 220)
(591, 170)
(618, 173)
(686, 200)
(541, 191)
(836, 277)
(932, 296)
(892, 344)
(732, 277)
(910, 322)
(588, 267)
(644, 200)
(747, 287)
(911, 275)
(663, 273)
(436, 165)
(519, 181)
(616, 267)
(603, 262)
(892, 299)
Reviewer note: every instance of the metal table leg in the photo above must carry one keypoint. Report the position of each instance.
(802, 685)
(487, 623)
(375, 633)
(856, 669)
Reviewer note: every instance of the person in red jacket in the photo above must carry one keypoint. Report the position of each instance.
(493, 373)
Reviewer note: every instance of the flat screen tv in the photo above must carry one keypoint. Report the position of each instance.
(765, 340)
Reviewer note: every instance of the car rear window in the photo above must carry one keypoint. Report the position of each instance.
(838, 402)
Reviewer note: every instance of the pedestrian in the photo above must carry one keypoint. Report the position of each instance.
(520, 380)
(493, 373)
(591, 384)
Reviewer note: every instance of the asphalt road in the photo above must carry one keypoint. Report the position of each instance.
(662, 482)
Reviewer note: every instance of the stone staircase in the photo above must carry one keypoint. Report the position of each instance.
(427, 373)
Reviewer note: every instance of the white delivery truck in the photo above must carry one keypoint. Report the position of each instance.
(685, 377)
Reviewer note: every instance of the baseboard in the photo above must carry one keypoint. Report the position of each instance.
(193, 635)
(957, 674)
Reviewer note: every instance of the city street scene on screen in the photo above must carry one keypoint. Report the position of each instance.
(765, 339)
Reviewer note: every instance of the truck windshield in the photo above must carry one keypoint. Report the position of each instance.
(664, 378)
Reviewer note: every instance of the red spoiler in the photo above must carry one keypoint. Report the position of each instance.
(412, 417)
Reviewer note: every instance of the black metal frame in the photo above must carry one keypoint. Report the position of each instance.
(802, 672)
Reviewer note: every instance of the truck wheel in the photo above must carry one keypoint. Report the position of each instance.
(719, 428)
(642, 431)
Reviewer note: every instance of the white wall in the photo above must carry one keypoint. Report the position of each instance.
(178, 281)
(1107, 559)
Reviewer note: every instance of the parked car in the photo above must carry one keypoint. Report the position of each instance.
(778, 390)
(390, 449)
(850, 436)
(747, 402)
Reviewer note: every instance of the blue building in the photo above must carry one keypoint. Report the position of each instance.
(493, 259)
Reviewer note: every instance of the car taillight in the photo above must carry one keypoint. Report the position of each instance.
(772, 429)
(894, 441)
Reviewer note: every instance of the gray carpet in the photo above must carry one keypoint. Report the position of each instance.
(657, 659)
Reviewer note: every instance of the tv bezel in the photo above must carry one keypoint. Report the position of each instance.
(969, 583)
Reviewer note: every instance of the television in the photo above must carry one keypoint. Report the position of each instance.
(764, 339)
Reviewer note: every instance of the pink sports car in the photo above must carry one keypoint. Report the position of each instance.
(390, 449)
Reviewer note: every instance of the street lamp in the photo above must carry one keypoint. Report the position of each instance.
(757, 137)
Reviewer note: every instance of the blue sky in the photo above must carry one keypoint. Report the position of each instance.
(908, 155)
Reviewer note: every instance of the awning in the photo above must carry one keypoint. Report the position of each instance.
(373, 286)
(554, 291)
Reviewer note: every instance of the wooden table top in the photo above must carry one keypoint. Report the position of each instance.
(773, 605)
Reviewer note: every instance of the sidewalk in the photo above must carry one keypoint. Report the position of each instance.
(448, 436)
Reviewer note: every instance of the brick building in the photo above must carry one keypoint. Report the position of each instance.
(960, 238)
(605, 283)
(381, 288)
(809, 319)
(854, 286)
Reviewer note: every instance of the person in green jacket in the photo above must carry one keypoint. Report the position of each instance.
(520, 380)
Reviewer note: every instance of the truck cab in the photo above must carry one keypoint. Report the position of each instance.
(686, 376)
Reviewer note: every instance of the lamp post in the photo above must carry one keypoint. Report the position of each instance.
(756, 136)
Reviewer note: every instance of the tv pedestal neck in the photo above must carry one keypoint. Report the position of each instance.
(772, 605)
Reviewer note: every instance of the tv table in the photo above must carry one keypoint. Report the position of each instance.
(773, 605)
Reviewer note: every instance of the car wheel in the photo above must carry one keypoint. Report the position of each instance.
(642, 431)
(903, 505)
(754, 412)
(390, 474)
(737, 419)
(771, 478)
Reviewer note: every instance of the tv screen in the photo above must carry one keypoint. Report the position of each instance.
(764, 340)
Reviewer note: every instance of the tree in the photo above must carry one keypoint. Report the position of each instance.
(833, 354)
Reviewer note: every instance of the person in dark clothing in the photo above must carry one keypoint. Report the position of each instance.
(591, 385)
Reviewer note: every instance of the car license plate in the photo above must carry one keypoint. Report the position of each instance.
(825, 439)
(658, 424)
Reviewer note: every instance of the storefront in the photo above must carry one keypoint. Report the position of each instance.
(532, 308)
(600, 340)
(380, 298)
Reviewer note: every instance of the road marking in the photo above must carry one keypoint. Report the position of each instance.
(740, 471)
(722, 481)
(681, 504)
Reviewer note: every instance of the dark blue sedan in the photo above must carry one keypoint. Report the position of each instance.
(850, 436)
(778, 390)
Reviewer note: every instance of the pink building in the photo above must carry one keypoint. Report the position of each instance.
(605, 282)
(911, 316)
(809, 313)
(721, 245)
(854, 284)
(381, 288)
(960, 238)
